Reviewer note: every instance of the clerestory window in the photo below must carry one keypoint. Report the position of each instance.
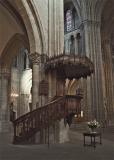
(68, 20)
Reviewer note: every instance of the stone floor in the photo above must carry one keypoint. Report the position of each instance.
(73, 150)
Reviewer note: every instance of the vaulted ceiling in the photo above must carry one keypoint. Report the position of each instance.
(11, 25)
(8, 27)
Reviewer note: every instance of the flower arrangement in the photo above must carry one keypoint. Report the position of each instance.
(93, 124)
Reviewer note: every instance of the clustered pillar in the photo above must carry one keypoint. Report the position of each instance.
(4, 109)
(60, 88)
(107, 59)
(95, 95)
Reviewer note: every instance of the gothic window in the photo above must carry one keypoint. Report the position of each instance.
(79, 43)
(74, 19)
(72, 45)
(68, 20)
(26, 61)
(15, 62)
(25, 57)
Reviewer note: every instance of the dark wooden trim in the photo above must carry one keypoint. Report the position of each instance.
(42, 118)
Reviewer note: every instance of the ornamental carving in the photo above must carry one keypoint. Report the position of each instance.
(43, 87)
(5, 73)
(70, 66)
(35, 57)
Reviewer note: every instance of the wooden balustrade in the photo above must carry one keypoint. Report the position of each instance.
(73, 104)
(42, 118)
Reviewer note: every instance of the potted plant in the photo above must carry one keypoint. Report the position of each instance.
(93, 125)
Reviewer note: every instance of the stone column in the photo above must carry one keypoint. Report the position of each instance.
(76, 45)
(107, 57)
(43, 99)
(95, 95)
(66, 45)
(4, 108)
(52, 85)
(60, 85)
(35, 58)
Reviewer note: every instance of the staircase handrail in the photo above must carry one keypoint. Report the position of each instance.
(44, 117)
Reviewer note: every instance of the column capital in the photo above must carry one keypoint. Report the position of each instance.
(106, 41)
(44, 57)
(35, 57)
(92, 22)
(5, 73)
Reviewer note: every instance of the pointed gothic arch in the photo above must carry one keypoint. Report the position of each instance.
(29, 16)
(12, 48)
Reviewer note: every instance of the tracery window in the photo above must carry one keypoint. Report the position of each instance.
(68, 20)
(71, 20)
(72, 45)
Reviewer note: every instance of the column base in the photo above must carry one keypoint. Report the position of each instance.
(5, 135)
(59, 134)
(63, 132)
(4, 126)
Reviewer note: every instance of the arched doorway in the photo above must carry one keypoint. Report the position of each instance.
(16, 37)
(15, 59)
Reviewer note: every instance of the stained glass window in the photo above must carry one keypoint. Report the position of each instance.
(68, 20)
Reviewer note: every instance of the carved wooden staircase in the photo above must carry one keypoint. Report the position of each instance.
(44, 117)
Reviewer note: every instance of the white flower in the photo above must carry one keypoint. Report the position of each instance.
(93, 124)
